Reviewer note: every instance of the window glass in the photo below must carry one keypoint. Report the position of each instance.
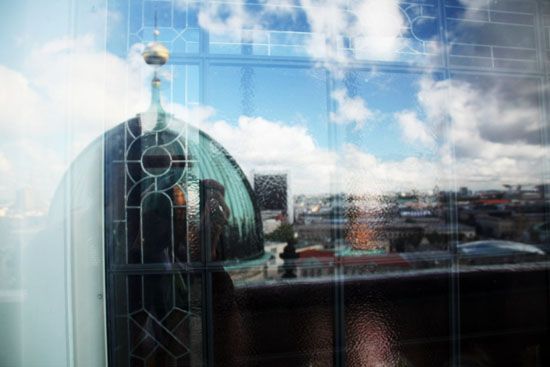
(274, 182)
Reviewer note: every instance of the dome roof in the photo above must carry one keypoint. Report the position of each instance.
(172, 168)
(103, 204)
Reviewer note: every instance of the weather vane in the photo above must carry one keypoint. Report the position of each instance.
(156, 55)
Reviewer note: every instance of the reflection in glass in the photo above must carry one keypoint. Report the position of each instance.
(403, 213)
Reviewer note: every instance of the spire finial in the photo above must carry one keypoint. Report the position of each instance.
(156, 55)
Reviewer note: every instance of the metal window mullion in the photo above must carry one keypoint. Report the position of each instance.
(207, 308)
(544, 95)
(454, 285)
(339, 333)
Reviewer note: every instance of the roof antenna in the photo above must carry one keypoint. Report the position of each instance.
(156, 55)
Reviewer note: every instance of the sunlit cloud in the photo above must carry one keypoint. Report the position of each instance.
(360, 172)
(260, 144)
(350, 109)
(415, 131)
(226, 19)
(375, 28)
(473, 133)
(69, 92)
(476, 3)
(378, 28)
(487, 134)
(483, 116)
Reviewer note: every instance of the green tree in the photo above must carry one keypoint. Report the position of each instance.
(283, 233)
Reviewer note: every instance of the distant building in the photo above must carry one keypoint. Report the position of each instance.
(496, 227)
(464, 192)
(544, 190)
(272, 195)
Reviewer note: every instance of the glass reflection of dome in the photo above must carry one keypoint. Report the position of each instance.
(171, 160)
(161, 175)
(98, 230)
(131, 207)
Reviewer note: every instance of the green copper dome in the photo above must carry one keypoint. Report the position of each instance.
(173, 194)
(243, 237)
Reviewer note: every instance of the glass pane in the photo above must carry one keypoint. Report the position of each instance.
(329, 182)
(158, 320)
(497, 35)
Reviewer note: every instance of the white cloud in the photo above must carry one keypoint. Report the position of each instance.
(413, 130)
(5, 164)
(68, 93)
(93, 88)
(350, 109)
(280, 7)
(360, 172)
(71, 92)
(480, 173)
(476, 4)
(486, 132)
(378, 27)
(226, 19)
(259, 144)
(484, 120)
(30, 164)
(22, 104)
(70, 87)
(375, 27)
(472, 9)
(457, 142)
(328, 21)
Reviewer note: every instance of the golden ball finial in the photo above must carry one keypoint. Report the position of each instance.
(156, 54)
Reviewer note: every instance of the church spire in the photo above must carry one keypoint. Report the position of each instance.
(156, 55)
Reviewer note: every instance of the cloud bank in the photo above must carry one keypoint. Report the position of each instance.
(375, 27)
(464, 132)
(69, 92)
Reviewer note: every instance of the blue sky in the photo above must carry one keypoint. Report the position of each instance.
(359, 97)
